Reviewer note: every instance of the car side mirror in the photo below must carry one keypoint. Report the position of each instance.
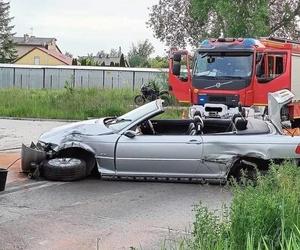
(176, 69)
(177, 57)
(130, 134)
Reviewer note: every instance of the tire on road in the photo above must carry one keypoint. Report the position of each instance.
(64, 169)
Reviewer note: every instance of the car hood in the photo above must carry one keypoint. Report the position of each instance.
(75, 130)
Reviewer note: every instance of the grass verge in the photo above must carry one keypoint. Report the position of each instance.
(69, 103)
(265, 216)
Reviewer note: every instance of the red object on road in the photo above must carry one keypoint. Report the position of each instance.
(14, 174)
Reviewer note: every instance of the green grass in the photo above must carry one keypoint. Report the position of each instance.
(264, 216)
(69, 103)
(261, 216)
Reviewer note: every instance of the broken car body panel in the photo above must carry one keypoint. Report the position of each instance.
(31, 155)
(74, 131)
(276, 101)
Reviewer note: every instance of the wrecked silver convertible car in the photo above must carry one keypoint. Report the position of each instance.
(137, 144)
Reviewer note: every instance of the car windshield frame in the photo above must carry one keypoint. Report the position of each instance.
(120, 123)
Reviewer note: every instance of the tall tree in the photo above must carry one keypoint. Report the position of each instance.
(182, 22)
(122, 61)
(114, 53)
(74, 61)
(284, 18)
(8, 52)
(101, 54)
(68, 54)
(159, 62)
(87, 60)
(172, 22)
(139, 54)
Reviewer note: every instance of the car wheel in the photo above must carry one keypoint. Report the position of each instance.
(245, 172)
(139, 100)
(246, 176)
(64, 169)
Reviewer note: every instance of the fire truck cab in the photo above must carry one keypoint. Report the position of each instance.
(236, 72)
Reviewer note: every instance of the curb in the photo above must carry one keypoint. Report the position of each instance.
(37, 119)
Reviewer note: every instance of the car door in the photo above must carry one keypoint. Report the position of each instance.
(221, 151)
(170, 155)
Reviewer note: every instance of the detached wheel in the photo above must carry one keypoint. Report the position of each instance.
(139, 100)
(64, 169)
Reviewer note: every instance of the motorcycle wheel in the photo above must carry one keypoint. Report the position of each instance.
(166, 100)
(139, 100)
(164, 92)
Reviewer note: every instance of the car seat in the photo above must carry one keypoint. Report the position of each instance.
(199, 124)
(239, 122)
(192, 129)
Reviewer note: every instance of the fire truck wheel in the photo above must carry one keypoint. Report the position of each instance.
(139, 100)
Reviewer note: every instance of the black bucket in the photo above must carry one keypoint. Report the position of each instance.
(3, 175)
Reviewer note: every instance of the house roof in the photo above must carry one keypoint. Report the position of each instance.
(65, 59)
(27, 40)
(32, 40)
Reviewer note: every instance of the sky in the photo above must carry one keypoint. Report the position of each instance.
(83, 27)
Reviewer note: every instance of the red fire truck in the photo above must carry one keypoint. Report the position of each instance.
(233, 71)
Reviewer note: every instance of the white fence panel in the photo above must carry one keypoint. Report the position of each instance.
(56, 77)
(6, 77)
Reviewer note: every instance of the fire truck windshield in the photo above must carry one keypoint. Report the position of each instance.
(222, 70)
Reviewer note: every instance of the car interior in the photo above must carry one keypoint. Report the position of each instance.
(189, 127)
(199, 126)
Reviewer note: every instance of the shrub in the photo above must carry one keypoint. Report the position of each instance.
(261, 216)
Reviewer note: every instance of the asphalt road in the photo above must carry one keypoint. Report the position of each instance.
(77, 215)
(15, 132)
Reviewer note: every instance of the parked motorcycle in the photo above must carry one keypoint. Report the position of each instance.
(149, 92)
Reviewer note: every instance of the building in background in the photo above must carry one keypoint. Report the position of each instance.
(41, 56)
(39, 51)
(113, 59)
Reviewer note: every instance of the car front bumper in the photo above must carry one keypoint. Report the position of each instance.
(31, 157)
